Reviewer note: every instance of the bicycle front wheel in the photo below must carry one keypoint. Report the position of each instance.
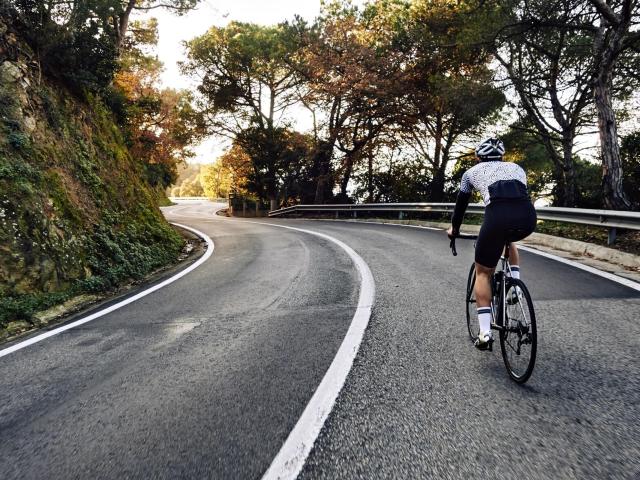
(472, 314)
(518, 339)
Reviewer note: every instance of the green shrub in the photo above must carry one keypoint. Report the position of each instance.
(119, 254)
(18, 170)
(18, 140)
(23, 307)
(51, 109)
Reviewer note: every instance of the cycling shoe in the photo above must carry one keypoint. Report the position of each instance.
(484, 341)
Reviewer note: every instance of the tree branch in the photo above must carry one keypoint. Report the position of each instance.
(606, 11)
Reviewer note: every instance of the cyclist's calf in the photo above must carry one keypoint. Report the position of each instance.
(483, 285)
(514, 256)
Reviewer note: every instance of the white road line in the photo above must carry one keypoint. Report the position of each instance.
(138, 296)
(627, 282)
(610, 276)
(294, 452)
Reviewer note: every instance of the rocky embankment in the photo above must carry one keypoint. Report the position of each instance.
(75, 214)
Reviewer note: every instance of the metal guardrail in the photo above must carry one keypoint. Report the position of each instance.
(610, 219)
(215, 200)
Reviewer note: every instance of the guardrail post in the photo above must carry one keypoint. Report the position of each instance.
(244, 208)
(612, 236)
(337, 215)
(400, 216)
(355, 214)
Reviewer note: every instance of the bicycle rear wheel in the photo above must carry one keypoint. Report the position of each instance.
(518, 339)
(472, 314)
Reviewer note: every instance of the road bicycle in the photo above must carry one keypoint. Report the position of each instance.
(513, 314)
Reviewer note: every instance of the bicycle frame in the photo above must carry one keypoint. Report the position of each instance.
(499, 308)
(498, 284)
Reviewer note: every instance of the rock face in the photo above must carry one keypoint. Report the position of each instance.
(75, 214)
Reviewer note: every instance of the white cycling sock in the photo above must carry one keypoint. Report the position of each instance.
(515, 272)
(484, 319)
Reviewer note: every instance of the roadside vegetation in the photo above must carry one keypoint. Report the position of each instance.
(88, 145)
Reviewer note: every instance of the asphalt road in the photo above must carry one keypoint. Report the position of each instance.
(205, 378)
(202, 379)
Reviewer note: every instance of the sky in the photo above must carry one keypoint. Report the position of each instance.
(174, 30)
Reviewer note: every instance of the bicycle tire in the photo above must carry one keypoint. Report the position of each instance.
(519, 332)
(472, 320)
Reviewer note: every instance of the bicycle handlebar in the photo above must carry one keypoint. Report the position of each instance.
(452, 243)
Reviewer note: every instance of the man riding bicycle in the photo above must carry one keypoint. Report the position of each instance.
(509, 216)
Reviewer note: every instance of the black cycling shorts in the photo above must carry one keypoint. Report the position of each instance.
(505, 220)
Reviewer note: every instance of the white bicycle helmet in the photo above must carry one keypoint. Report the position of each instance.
(490, 148)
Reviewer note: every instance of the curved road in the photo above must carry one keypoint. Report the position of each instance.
(206, 377)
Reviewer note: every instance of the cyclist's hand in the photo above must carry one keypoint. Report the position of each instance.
(451, 233)
(452, 243)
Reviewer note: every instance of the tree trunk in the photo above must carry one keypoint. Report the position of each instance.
(612, 188)
(568, 172)
(322, 161)
(437, 184)
(436, 190)
(271, 183)
(370, 178)
(563, 198)
(346, 176)
(560, 188)
(123, 25)
(319, 198)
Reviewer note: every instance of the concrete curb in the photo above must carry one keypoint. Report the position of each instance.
(627, 260)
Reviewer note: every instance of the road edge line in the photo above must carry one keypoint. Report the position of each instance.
(291, 457)
(627, 282)
(127, 301)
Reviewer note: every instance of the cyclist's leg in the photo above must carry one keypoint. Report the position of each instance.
(514, 256)
(514, 260)
(483, 285)
(522, 216)
(483, 297)
(488, 249)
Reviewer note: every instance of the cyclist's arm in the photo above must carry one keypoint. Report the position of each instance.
(462, 202)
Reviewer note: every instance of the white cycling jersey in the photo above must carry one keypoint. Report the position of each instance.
(485, 174)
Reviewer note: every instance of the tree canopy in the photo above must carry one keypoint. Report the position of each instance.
(396, 92)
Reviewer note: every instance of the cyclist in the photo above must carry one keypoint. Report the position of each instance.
(509, 215)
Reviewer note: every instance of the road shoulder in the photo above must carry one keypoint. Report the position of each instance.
(86, 304)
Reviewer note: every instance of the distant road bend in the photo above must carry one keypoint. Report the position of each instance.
(206, 377)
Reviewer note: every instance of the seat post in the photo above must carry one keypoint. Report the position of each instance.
(506, 250)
